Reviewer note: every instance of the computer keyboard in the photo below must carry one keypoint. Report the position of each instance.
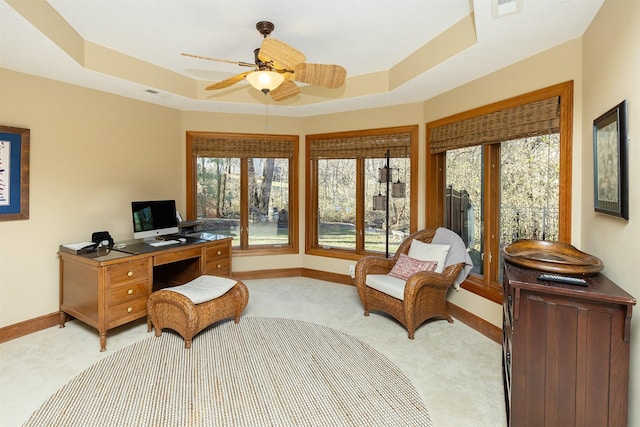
(163, 242)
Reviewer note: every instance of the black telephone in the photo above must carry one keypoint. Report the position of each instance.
(102, 238)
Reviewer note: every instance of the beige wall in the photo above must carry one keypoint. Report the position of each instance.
(611, 66)
(92, 153)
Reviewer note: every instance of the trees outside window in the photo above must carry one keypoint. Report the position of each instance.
(241, 185)
(528, 193)
(343, 183)
(500, 173)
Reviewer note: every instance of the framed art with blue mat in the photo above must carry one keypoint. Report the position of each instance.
(14, 173)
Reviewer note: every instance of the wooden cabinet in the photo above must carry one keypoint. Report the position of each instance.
(565, 351)
(111, 289)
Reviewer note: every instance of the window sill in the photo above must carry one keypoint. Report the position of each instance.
(338, 253)
(262, 251)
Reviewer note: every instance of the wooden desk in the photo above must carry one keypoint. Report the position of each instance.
(565, 351)
(110, 290)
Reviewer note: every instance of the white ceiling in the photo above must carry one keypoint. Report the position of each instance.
(364, 36)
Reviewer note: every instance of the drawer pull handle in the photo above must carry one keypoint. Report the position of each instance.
(130, 291)
(129, 310)
(130, 273)
(219, 266)
(219, 252)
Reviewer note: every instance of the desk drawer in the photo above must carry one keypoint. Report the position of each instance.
(128, 271)
(127, 311)
(217, 252)
(218, 259)
(177, 256)
(129, 292)
(217, 267)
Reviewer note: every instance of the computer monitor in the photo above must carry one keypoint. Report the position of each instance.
(154, 218)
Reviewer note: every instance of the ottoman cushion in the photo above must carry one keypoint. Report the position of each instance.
(205, 288)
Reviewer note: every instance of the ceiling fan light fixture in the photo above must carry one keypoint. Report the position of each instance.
(265, 81)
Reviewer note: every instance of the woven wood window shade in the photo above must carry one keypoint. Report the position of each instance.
(527, 120)
(241, 148)
(362, 147)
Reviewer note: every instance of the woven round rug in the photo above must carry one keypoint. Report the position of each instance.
(259, 372)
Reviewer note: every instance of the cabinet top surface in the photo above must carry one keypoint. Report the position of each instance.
(599, 286)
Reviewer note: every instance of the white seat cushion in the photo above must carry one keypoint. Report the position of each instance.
(204, 288)
(386, 284)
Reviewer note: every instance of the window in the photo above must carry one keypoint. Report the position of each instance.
(244, 186)
(502, 173)
(349, 176)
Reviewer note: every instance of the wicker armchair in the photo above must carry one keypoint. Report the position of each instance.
(424, 292)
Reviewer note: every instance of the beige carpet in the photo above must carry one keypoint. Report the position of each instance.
(260, 372)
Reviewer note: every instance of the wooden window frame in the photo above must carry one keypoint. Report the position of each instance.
(191, 168)
(311, 202)
(487, 286)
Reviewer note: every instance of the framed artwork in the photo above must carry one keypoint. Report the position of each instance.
(14, 173)
(610, 164)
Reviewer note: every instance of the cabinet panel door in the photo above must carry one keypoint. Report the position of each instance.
(528, 363)
(561, 350)
(562, 359)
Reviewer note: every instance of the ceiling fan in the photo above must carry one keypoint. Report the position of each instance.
(277, 65)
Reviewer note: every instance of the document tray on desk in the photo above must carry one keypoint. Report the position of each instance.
(80, 248)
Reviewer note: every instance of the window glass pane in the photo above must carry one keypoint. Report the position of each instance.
(218, 196)
(268, 201)
(463, 199)
(337, 203)
(376, 207)
(530, 189)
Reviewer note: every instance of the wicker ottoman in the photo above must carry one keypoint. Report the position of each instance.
(189, 308)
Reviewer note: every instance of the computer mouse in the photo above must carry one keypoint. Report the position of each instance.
(182, 240)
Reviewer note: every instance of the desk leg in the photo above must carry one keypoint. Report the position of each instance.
(103, 341)
(62, 318)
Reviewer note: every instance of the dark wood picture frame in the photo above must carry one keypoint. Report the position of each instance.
(610, 162)
(14, 173)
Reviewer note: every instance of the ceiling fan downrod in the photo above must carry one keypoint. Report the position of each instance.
(265, 28)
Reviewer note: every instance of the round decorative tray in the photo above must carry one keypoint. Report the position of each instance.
(552, 257)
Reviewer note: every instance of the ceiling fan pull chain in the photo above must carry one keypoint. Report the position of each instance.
(266, 118)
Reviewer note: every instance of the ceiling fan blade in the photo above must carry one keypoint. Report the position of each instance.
(228, 82)
(208, 58)
(329, 76)
(281, 54)
(286, 90)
